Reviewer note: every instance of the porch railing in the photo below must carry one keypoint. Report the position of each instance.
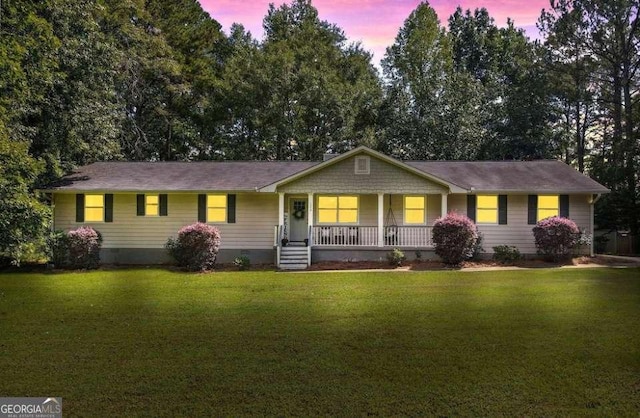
(339, 236)
(407, 236)
(367, 236)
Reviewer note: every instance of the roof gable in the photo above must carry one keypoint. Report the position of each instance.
(362, 150)
(343, 177)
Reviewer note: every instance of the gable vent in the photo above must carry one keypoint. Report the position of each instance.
(362, 165)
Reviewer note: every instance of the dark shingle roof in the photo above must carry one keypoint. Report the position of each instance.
(540, 176)
(513, 176)
(179, 176)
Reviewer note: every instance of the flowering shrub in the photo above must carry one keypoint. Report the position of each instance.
(584, 238)
(196, 247)
(454, 237)
(555, 237)
(81, 248)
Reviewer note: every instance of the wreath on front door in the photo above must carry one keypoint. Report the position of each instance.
(298, 214)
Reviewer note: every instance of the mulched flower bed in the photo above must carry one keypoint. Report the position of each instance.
(438, 265)
(415, 265)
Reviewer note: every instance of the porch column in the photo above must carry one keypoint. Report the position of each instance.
(310, 215)
(280, 209)
(592, 203)
(443, 201)
(279, 228)
(380, 219)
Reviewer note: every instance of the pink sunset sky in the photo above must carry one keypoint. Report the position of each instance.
(375, 23)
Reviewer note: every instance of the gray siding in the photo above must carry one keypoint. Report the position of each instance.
(370, 254)
(256, 215)
(517, 232)
(127, 256)
(383, 178)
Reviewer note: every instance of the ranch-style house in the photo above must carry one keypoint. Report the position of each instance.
(356, 205)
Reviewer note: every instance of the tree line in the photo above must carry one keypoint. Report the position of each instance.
(86, 80)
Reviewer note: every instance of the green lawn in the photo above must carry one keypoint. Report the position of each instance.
(153, 342)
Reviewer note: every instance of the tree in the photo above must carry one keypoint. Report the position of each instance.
(302, 91)
(28, 66)
(151, 85)
(514, 87)
(472, 92)
(606, 35)
(572, 69)
(202, 50)
(416, 69)
(523, 117)
(79, 120)
(23, 219)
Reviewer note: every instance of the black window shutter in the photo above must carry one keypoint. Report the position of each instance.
(108, 208)
(471, 207)
(533, 209)
(502, 209)
(564, 205)
(79, 207)
(164, 210)
(140, 205)
(231, 208)
(202, 208)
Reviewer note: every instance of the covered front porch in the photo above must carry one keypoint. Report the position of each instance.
(356, 221)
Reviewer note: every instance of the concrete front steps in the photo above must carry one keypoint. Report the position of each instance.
(294, 257)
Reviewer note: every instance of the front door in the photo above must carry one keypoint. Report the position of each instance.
(298, 219)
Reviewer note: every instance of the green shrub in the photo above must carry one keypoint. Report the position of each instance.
(506, 254)
(35, 251)
(58, 244)
(477, 248)
(243, 262)
(396, 257)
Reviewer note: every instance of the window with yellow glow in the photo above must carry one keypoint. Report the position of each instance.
(487, 209)
(151, 203)
(338, 209)
(414, 209)
(216, 208)
(94, 208)
(548, 206)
